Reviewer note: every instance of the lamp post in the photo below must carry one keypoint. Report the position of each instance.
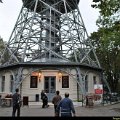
(60, 76)
(39, 76)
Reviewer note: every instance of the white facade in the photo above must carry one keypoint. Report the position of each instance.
(93, 77)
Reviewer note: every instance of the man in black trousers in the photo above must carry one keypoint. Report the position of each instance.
(16, 99)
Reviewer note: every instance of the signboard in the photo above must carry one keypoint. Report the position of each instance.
(98, 88)
(98, 91)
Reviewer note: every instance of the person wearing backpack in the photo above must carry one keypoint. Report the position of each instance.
(65, 107)
(16, 99)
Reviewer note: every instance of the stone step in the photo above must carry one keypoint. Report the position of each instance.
(50, 104)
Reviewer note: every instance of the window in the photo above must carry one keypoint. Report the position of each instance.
(94, 80)
(33, 82)
(86, 83)
(65, 81)
(11, 83)
(3, 84)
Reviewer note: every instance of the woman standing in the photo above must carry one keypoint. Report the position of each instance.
(44, 99)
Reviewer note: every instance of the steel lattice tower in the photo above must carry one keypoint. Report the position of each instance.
(50, 31)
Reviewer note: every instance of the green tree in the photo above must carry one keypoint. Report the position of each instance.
(5, 53)
(107, 39)
(1, 45)
(107, 44)
(109, 12)
(4, 57)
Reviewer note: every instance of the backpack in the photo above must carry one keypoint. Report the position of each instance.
(18, 101)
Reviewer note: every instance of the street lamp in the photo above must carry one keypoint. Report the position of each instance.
(39, 76)
(60, 76)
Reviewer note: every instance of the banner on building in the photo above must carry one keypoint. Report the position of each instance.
(98, 88)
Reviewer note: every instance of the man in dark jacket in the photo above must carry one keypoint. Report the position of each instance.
(16, 99)
(56, 99)
(65, 107)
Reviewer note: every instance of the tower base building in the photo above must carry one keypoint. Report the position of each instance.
(49, 49)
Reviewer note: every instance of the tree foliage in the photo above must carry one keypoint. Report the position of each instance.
(109, 12)
(107, 7)
(107, 44)
(5, 57)
(107, 39)
(1, 45)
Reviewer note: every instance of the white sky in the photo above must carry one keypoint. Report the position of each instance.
(9, 11)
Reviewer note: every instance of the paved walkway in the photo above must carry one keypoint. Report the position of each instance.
(37, 111)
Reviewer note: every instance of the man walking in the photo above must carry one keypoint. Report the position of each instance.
(65, 107)
(56, 99)
(16, 98)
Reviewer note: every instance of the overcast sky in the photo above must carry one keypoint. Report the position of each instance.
(9, 11)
